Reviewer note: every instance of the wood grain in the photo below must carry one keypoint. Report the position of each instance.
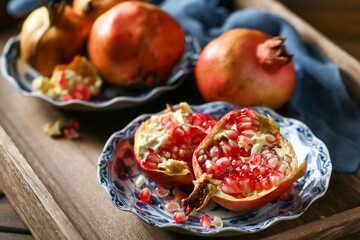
(9, 220)
(23, 186)
(14, 236)
(67, 169)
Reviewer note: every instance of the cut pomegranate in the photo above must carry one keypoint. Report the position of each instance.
(243, 163)
(164, 144)
(205, 221)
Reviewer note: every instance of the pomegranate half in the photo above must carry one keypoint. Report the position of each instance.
(164, 144)
(243, 163)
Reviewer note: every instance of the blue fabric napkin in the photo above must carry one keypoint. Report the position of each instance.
(320, 99)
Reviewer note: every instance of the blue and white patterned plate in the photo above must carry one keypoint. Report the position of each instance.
(20, 74)
(117, 172)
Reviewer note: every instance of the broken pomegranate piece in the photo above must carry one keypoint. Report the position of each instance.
(243, 163)
(164, 144)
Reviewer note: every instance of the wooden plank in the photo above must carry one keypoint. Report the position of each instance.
(347, 63)
(23, 186)
(329, 228)
(15, 236)
(9, 220)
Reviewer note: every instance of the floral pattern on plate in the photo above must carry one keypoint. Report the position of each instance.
(118, 171)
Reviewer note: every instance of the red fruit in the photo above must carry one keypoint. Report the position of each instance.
(243, 182)
(247, 68)
(136, 43)
(164, 144)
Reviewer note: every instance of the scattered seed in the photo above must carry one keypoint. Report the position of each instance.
(218, 222)
(140, 181)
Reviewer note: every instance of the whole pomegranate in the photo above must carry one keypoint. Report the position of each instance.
(247, 68)
(52, 35)
(243, 163)
(91, 9)
(135, 43)
(164, 144)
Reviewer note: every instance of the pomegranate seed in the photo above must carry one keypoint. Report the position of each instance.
(79, 95)
(248, 133)
(243, 126)
(255, 160)
(210, 166)
(67, 97)
(230, 185)
(171, 206)
(63, 80)
(230, 119)
(140, 181)
(271, 138)
(162, 192)
(266, 184)
(145, 195)
(205, 221)
(70, 133)
(226, 149)
(274, 178)
(273, 162)
(73, 124)
(245, 185)
(231, 134)
(218, 222)
(285, 196)
(214, 151)
(179, 195)
(179, 216)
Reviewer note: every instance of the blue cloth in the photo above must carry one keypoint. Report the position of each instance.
(320, 99)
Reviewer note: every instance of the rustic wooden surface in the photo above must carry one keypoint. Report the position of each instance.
(68, 168)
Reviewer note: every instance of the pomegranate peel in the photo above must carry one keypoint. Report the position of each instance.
(246, 67)
(257, 164)
(163, 144)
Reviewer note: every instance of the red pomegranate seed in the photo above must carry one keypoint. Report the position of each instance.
(285, 196)
(231, 119)
(256, 159)
(271, 138)
(73, 124)
(179, 216)
(205, 221)
(145, 195)
(265, 182)
(67, 97)
(246, 185)
(230, 185)
(70, 133)
(179, 195)
(63, 80)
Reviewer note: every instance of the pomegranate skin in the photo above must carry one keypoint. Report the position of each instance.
(233, 68)
(45, 41)
(135, 43)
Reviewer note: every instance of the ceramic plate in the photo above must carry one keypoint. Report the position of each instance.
(117, 172)
(21, 75)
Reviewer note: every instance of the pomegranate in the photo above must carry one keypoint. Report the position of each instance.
(243, 163)
(135, 44)
(163, 145)
(91, 9)
(52, 35)
(247, 68)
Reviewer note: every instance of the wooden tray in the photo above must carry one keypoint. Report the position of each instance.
(53, 185)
